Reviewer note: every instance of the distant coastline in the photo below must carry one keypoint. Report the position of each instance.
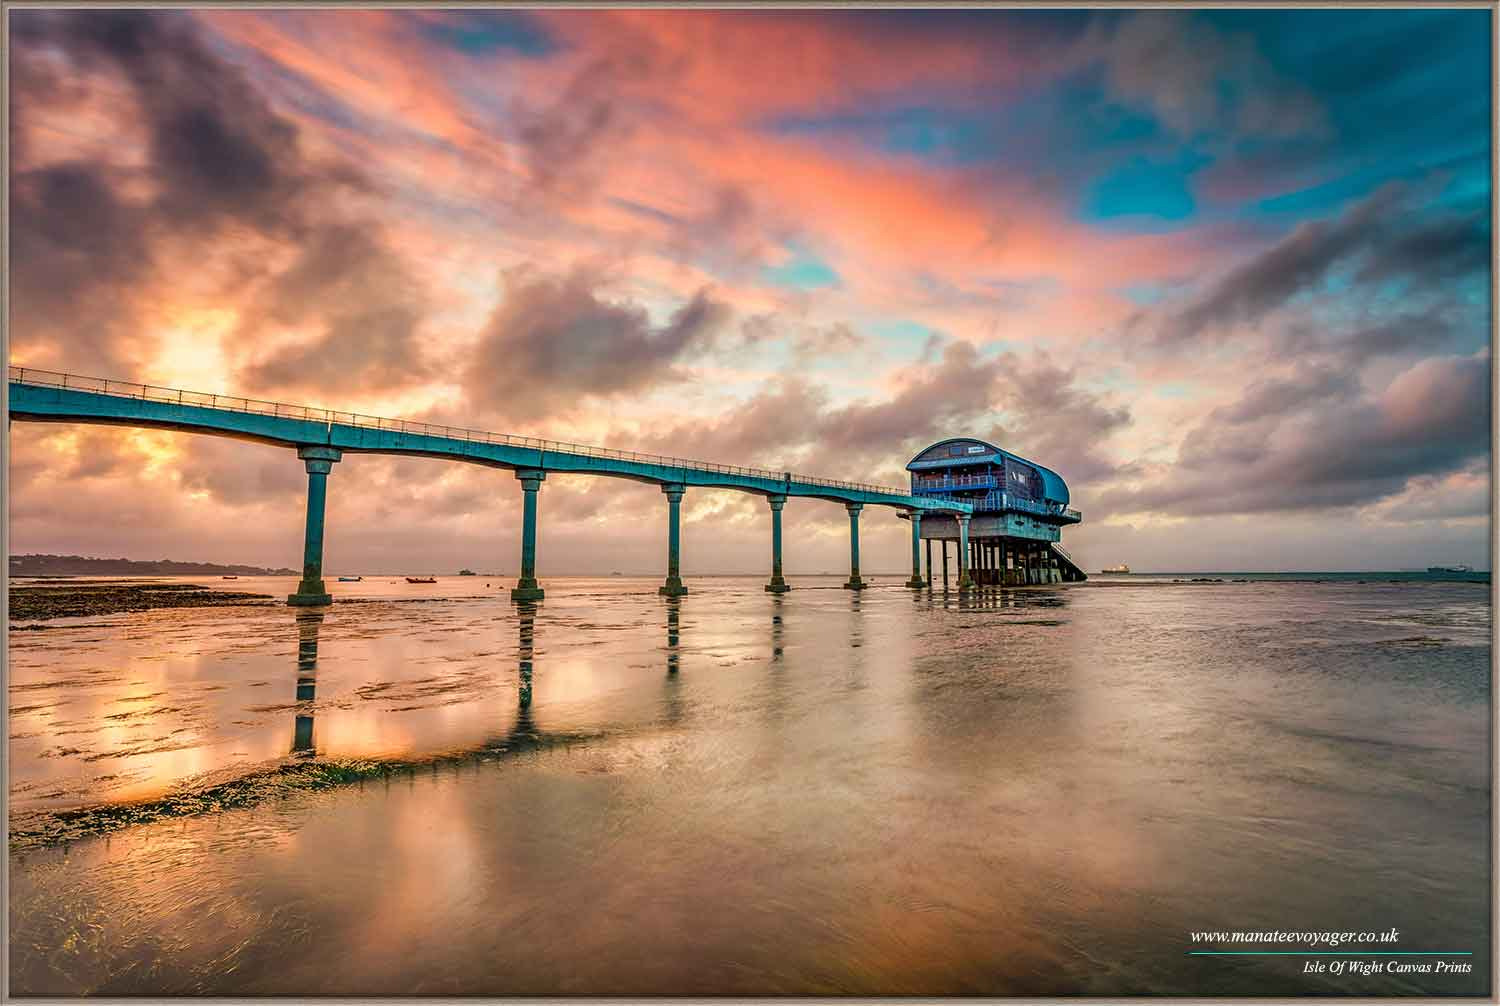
(78, 565)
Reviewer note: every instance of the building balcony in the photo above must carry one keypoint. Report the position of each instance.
(998, 501)
(931, 483)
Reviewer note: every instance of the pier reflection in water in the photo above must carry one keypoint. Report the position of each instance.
(309, 623)
(736, 792)
(525, 648)
(674, 623)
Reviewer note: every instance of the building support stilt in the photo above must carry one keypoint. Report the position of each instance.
(944, 544)
(778, 584)
(527, 589)
(673, 586)
(929, 563)
(312, 592)
(964, 581)
(855, 583)
(916, 550)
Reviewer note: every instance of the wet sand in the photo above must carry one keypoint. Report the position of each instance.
(1037, 791)
(72, 599)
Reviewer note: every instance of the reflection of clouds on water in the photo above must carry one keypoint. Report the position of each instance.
(1072, 760)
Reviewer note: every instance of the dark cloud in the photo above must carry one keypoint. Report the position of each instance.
(768, 430)
(789, 424)
(368, 308)
(566, 142)
(933, 401)
(1351, 346)
(225, 166)
(1318, 440)
(808, 344)
(1441, 499)
(1379, 240)
(218, 148)
(731, 236)
(553, 340)
(1278, 396)
(238, 473)
(1197, 79)
(1299, 261)
(1064, 426)
(74, 248)
(1447, 248)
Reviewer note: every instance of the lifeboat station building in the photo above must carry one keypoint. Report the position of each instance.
(1013, 536)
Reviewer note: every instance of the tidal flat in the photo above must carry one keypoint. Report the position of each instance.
(66, 597)
(426, 790)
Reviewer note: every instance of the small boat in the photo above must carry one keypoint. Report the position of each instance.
(1459, 568)
(421, 579)
(350, 579)
(1121, 568)
(228, 578)
(467, 572)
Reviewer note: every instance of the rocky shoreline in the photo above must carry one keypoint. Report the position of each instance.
(39, 602)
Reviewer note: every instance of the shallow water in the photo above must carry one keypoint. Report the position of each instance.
(1035, 791)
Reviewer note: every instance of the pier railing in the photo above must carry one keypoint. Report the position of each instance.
(237, 403)
(997, 500)
(953, 481)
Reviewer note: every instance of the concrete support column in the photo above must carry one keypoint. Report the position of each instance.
(945, 563)
(527, 588)
(673, 587)
(964, 581)
(778, 584)
(929, 563)
(311, 591)
(916, 550)
(855, 583)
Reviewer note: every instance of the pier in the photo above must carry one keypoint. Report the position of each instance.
(322, 438)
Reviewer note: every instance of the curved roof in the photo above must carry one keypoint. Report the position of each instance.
(1053, 487)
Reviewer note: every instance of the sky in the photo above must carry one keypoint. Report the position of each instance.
(1227, 272)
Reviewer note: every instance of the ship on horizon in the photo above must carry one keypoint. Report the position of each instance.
(1456, 568)
(1121, 568)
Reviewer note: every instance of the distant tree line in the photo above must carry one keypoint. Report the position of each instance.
(78, 565)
